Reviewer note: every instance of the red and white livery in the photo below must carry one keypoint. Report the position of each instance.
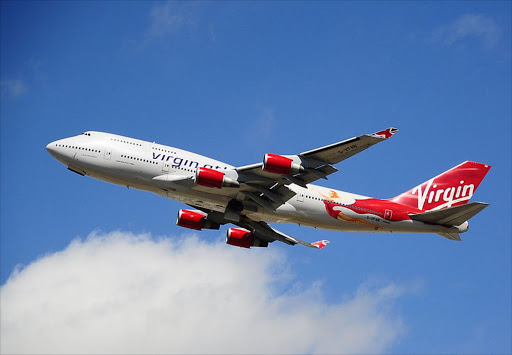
(279, 189)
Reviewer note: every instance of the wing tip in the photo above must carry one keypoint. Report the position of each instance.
(320, 244)
(385, 134)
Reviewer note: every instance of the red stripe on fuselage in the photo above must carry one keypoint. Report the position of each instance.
(372, 206)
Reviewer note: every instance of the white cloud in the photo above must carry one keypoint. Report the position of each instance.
(13, 88)
(468, 26)
(126, 293)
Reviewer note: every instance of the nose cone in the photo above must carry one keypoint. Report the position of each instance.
(51, 148)
(57, 151)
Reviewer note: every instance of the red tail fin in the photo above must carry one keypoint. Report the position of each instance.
(452, 188)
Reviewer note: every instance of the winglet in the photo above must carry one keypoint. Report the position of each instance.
(320, 244)
(385, 134)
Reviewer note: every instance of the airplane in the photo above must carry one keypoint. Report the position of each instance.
(278, 189)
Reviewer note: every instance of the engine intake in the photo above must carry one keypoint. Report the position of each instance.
(195, 220)
(278, 164)
(243, 238)
(213, 178)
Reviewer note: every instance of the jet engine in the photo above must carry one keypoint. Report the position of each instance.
(278, 164)
(195, 220)
(213, 178)
(243, 238)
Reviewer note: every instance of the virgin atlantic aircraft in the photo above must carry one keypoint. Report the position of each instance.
(279, 189)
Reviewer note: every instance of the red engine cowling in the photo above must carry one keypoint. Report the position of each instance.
(191, 219)
(243, 238)
(278, 164)
(195, 220)
(213, 178)
(239, 237)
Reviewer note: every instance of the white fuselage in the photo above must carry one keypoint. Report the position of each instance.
(153, 167)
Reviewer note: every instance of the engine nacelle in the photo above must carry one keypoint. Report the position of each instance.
(278, 164)
(243, 238)
(195, 220)
(213, 178)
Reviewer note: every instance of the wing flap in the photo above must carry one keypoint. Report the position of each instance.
(260, 200)
(275, 197)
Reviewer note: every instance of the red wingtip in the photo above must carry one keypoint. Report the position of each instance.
(320, 244)
(387, 133)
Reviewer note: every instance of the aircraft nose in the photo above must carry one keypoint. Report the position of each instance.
(50, 148)
(55, 149)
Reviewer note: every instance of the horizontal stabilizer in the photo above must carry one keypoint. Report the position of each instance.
(451, 216)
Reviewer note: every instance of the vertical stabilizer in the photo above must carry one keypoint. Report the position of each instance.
(452, 188)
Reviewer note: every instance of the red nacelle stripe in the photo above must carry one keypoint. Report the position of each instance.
(277, 164)
(191, 219)
(239, 237)
(209, 178)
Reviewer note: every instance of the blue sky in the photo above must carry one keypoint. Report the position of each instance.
(236, 80)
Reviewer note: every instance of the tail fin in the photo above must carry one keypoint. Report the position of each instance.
(452, 188)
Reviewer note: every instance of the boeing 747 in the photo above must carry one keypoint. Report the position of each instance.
(278, 189)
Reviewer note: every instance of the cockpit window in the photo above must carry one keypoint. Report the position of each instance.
(86, 134)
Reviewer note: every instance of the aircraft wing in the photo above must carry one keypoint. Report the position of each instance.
(337, 152)
(317, 162)
(268, 189)
(263, 231)
(259, 229)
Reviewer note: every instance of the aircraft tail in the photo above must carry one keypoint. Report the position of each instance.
(452, 188)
